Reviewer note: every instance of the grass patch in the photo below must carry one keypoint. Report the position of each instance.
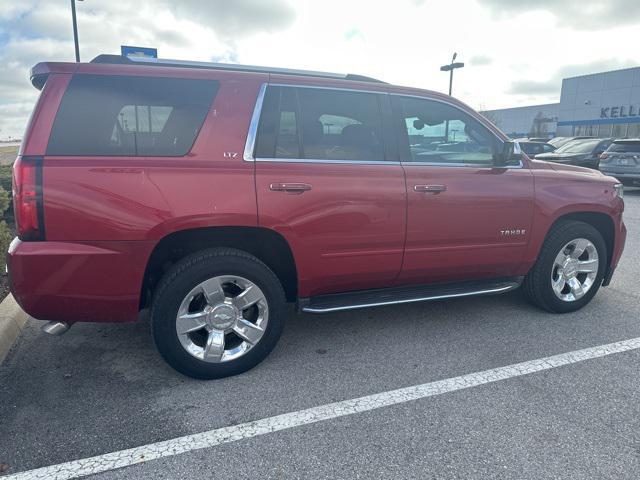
(5, 177)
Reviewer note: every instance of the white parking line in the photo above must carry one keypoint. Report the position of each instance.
(211, 438)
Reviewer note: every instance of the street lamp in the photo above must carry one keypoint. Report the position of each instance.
(450, 68)
(75, 28)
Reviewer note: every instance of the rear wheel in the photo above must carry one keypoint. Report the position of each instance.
(569, 270)
(217, 313)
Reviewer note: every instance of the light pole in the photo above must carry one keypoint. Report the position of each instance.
(75, 28)
(450, 68)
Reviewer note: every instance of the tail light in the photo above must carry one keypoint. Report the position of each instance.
(27, 198)
(604, 158)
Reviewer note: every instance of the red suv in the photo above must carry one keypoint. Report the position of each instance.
(215, 194)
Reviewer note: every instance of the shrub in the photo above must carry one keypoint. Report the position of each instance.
(5, 177)
(5, 201)
(5, 231)
(5, 240)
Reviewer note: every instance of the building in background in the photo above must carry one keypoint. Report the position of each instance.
(531, 121)
(603, 105)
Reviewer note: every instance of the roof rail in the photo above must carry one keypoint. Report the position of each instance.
(162, 62)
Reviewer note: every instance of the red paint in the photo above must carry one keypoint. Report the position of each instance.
(347, 232)
(356, 227)
(455, 235)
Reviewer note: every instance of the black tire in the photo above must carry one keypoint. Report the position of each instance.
(537, 285)
(187, 274)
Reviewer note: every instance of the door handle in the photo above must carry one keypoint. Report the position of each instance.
(290, 187)
(435, 189)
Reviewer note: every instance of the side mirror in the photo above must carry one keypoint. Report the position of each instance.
(511, 153)
(597, 153)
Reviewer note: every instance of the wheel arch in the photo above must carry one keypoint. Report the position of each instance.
(598, 220)
(266, 244)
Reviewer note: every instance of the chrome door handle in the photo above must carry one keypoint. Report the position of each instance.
(290, 187)
(435, 189)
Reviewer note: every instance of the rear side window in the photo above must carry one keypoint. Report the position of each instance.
(130, 116)
(624, 147)
(320, 124)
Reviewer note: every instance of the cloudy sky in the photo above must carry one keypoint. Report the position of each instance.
(516, 51)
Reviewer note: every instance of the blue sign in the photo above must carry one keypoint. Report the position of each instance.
(128, 51)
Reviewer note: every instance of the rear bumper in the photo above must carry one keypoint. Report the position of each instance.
(76, 282)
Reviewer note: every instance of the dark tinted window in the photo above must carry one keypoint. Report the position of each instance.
(130, 116)
(624, 147)
(603, 146)
(435, 132)
(287, 141)
(531, 148)
(320, 124)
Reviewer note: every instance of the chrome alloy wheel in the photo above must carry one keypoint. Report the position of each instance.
(574, 270)
(222, 318)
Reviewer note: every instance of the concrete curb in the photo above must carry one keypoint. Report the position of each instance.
(12, 321)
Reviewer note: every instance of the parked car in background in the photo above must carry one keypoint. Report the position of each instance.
(532, 148)
(214, 194)
(583, 153)
(560, 141)
(622, 161)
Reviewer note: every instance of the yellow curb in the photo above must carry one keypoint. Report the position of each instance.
(12, 321)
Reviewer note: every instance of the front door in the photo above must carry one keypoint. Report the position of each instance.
(466, 219)
(327, 182)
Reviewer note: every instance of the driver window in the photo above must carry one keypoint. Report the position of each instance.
(441, 134)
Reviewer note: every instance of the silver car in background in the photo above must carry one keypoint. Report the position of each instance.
(622, 161)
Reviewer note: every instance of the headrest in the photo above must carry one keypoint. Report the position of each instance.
(358, 135)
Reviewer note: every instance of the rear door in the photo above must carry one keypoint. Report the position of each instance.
(327, 180)
(466, 219)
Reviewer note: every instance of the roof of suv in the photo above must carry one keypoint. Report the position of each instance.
(40, 71)
(118, 59)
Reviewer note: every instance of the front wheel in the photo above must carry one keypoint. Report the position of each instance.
(217, 313)
(569, 270)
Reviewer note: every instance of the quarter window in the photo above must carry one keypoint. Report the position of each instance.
(143, 118)
(438, 133)
(130, 116)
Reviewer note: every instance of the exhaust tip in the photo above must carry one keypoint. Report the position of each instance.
(56, 328)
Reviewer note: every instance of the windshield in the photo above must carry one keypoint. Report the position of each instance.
(578, 146)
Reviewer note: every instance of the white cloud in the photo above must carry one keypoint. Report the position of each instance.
(513, 58)
(238, 18)
(480, 60)
(552, 85)
(578, 14)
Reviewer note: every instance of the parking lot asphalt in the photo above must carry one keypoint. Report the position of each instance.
(103, 388)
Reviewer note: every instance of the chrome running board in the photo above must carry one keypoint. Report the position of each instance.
(392, 296)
